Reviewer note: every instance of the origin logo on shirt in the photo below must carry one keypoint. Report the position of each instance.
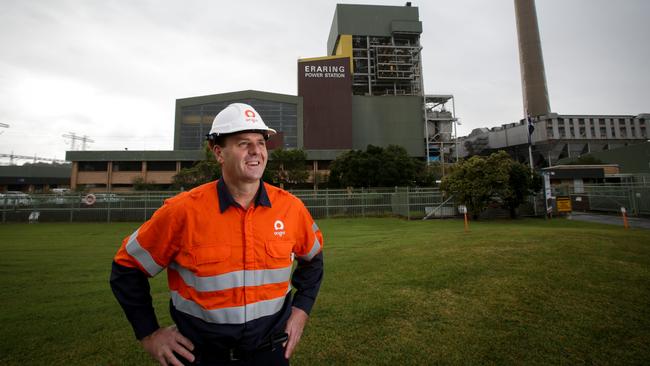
(278, 226)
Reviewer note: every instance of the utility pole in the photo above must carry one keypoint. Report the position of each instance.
(530, 127)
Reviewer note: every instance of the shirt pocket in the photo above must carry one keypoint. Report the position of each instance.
(210, 257)
(278, 252)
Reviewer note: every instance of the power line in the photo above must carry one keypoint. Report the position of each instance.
(34, 158)
(74, 138)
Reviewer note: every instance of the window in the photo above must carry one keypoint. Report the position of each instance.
(582, 131)
(127, 166)
(161, 166)
(93, 166)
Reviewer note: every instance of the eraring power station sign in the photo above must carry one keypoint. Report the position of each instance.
(324, 71)
(326, 88)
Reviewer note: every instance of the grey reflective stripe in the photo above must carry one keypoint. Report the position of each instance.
(314, 250)
(314, 227)
(233, 279)
(141, 255)
(232, 315)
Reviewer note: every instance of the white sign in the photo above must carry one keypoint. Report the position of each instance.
(547, 186)
(462, 209)
(623, 210)
(324, 71)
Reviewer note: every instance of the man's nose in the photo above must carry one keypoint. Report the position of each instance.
(254, 149)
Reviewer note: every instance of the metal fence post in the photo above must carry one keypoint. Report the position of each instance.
(4, 212)
(146, 198)
(408, 204)
(72, 205)
(108, 214)
(327, 203)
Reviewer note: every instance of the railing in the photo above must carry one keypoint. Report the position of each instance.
(406, 202)
(635, 197)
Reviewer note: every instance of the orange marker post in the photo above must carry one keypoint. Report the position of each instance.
(624, 213)
(463, 209)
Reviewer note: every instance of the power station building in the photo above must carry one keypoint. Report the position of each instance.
(366, 90)
(557, 136)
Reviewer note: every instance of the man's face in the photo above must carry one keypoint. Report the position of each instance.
(243, 158)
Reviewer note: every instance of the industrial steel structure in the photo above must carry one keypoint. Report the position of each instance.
(367, 90)
(558, 136)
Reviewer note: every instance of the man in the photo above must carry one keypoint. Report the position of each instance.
(229, 248)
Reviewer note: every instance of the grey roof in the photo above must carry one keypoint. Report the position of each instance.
(172, 155)
(135, 155)
(35, 174)
(242, 94)
(632, 159)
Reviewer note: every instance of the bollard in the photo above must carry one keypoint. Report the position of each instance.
(463, 209)
(466, 223)
(624, 213)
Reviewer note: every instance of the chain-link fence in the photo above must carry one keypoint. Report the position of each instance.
(410, 203)
(407, 202)
(635, 197)
(99, 207)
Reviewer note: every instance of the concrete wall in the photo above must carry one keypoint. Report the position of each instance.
(388, 120)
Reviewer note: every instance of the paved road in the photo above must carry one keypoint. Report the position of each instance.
(635, 222)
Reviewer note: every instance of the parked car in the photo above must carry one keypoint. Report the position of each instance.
(15, 199)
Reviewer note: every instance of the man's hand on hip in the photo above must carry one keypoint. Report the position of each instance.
(162, 344)
(295, 326)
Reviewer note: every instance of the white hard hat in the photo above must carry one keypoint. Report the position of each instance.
(238, 117)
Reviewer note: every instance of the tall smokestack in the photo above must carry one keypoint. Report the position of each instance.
(531, 62)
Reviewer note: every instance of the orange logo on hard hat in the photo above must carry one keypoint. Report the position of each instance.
(249, 113)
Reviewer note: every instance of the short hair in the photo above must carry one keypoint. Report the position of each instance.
(215, 139)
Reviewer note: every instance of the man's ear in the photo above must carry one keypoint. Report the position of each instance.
(218, 151)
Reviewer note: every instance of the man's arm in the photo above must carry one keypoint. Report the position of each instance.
(306, 279)
(132, 291)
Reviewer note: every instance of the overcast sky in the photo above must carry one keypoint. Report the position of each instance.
(112, 70)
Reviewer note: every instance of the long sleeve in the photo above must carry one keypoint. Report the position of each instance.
(131, 289)
(307, 278)
(308, 274)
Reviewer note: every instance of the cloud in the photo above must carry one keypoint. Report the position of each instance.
(113, 69)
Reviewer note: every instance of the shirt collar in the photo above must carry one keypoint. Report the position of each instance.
(226, 199)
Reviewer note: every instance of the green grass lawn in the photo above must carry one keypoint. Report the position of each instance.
(395, 293)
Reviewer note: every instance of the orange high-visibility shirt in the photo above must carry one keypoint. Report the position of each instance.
(224, 266)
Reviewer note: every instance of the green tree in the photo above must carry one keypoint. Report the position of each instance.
(473, 184)
(201, 172)
(479, 181)
(375, 167)
(521, 182)
(428, 174)
(288, 167)
(140, 185)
